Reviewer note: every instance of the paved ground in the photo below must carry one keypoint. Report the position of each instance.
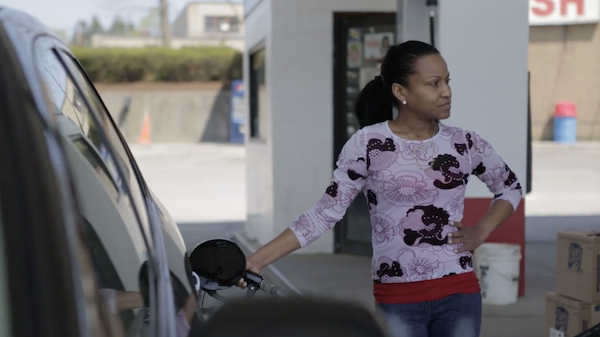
(203, 186)
(566, 190)
(565, 173)
(206, 183)
(196, 182)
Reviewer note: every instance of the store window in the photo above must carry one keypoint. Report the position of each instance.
(221, 24)
(257, 92)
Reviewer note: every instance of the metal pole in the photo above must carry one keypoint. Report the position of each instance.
(432, 27)
(400, 22)
(432, 3)
(164, 21)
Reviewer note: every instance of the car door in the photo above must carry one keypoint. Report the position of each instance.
(46, 285)
(170, 251)
(115, 220)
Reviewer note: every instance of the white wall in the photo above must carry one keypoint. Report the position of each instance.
(485, 44)
(259, 159)
(180, 25)
(413, 23)
(249, 5)
(300, 85)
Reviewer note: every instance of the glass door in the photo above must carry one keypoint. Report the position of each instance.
(360, 43)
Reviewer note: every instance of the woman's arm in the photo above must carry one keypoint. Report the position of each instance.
(279, 247)
(127, 300)
(122, 300)
(499, 211)
(491, 169)
(348, 180)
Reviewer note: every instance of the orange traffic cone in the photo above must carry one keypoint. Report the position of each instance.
(145, 135)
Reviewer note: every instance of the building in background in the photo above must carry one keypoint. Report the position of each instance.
(212, 20)
(200, 23)
(215, 18)
(564, 49)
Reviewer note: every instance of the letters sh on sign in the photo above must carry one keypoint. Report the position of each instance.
(563, 12)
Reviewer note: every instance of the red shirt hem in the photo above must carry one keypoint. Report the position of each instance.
(426, 291)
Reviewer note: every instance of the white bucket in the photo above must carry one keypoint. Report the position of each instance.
(497, 268)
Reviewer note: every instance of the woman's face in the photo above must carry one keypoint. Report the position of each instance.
(428, 93)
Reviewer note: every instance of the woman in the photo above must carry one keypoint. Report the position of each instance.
(414, 171)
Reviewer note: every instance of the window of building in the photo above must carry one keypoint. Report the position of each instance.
(221, 24)
(257, 93)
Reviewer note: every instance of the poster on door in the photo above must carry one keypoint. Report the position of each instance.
(377, 45)
(367, 74)
(354, 46)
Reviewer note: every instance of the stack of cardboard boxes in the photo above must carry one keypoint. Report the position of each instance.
(575, 306)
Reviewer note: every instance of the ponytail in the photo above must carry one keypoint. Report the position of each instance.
(375, 103)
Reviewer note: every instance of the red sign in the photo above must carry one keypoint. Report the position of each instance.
(563, 12)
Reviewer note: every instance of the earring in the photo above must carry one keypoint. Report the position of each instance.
(404, 102)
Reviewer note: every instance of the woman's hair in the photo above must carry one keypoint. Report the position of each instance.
(375, 102)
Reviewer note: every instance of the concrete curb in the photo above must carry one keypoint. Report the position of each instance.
(286, 287)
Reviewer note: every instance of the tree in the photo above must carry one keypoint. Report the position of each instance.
(84, 31)
(95, 26)
(119, 27)
(150, 24)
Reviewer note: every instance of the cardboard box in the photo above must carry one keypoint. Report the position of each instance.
(595, 315)
(566, 315)
(578, 266)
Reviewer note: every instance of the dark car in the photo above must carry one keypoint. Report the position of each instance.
(86, 248)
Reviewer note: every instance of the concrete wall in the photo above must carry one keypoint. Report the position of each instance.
(564, 66)
(178, 112)
(112, 41)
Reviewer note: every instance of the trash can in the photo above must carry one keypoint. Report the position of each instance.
(565, 123)
(238, 112)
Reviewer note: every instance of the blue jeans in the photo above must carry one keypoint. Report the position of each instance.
(453, 316)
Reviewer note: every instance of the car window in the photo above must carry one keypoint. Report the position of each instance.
(110, 130)
(78, 124)
(184, 299)
(112, 225)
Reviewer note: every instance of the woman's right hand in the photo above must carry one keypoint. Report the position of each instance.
(279, 247)
(251, 266)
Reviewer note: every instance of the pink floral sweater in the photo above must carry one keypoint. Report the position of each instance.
(414, 190)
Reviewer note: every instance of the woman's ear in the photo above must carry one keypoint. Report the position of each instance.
(399, 92)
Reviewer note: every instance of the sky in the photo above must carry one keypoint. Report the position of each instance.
(64, 14)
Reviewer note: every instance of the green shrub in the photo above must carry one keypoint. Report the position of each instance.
(119, 65)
